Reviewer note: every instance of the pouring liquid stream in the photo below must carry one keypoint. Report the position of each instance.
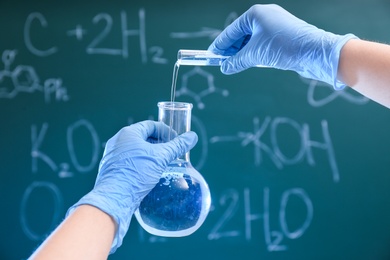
(192, 58)
(173, 94)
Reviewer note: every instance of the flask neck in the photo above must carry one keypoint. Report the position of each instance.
(183, 161)
(176, 115)
(185, 157)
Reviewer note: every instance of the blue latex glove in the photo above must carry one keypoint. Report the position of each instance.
(131, 166)
(270, 36)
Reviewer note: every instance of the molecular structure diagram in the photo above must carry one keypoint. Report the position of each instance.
(23, 78)
(254, 137)
(317, 97)
(184, 90)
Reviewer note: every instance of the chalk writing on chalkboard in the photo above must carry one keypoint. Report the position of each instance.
(287, 194)
(228, 201)
(320, 94)
(24, 79)
(275, 235)
(57, 205)
(208, 32)
(200, 129)
(273, 150)
(38, 21)
(184, 90)
(38, 135)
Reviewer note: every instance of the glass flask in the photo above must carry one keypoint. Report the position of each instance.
(178, 205)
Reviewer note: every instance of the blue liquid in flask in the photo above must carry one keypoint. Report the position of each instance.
(179, 203)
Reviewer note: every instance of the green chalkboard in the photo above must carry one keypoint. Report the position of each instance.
(296, 170)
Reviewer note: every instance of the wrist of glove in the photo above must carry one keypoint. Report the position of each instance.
(131, 166)
(113, 195)
(320, 58)
(268, 35)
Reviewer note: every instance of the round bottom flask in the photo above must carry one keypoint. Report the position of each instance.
(180, 202)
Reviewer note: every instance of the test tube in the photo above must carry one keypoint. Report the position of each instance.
(199, 58)
(202, 58)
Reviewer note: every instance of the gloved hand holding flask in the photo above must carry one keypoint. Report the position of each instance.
(131, 166)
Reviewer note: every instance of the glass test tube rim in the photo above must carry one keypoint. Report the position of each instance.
(175, 105)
